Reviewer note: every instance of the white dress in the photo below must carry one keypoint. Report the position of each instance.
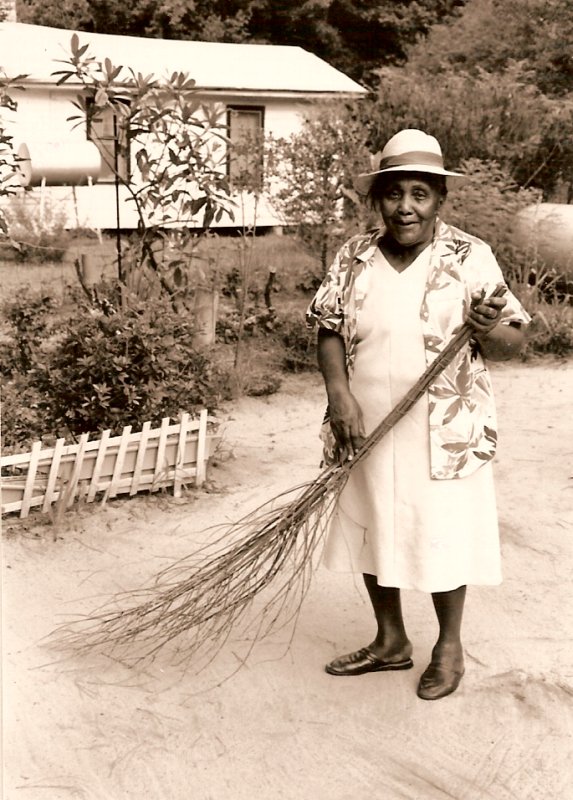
(392, 520)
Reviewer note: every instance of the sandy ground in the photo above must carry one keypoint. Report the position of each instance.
(280, 727)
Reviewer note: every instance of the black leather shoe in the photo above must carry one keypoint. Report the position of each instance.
(362, 661)
(438, 681)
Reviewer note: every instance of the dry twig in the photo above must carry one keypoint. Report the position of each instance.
(266, 555)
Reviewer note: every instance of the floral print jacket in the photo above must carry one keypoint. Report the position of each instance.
(462, 420)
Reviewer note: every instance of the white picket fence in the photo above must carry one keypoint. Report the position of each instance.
(170, 455)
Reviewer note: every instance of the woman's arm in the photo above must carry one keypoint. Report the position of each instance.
(345, 413)
(498, 342)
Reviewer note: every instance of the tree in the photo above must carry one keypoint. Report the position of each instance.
(378, 33)
(356, 36)
(8, 158)
(537, 35)
(177, 144)
(314, 170)
(208, 20)
(488, 116)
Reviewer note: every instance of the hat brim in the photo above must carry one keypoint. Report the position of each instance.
(364, 181)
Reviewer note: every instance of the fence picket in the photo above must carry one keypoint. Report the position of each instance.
(32, 468)
(73, 482)
(140, 457)
(99, 462)
(180, 455)
(152, 459)
(51, 492)
(201, 442)
(118, 468)
(159, 465)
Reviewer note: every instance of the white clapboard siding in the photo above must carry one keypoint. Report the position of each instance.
(171, 455)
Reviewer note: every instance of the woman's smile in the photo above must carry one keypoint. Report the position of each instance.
(409, 207)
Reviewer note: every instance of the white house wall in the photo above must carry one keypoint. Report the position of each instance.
(42, 117)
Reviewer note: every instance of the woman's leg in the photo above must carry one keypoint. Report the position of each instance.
(391, 648)
(449, 608)
(446, 668)
(391, 638)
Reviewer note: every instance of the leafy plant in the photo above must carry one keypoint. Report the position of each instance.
(31, 317)
(177, 145)
(486, 206)
(37, 234)
(298, 342)
(108, 367)
(8, 158)
(488, 116)
(551, 330)
(313, 172)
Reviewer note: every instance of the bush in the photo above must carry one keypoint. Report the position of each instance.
(298, 342)
(486, 206)
(110, 369)
(37, 232)
(23, 415)
(551, 329)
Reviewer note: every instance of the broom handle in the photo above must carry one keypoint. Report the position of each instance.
(422, 384)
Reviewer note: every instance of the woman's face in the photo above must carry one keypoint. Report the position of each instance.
(409, 206)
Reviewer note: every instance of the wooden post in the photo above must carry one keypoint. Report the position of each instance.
(205, 311)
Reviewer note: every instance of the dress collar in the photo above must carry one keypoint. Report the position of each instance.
(443, 241)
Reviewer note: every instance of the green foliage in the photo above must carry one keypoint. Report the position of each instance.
(536, 36)
(108, 368)
(31, 317)
(485, 206)
(175, 140)
(375, 33)
(314, 170)
(37, 231)
(356, 36)
(551, 330)
(170, 19)
(485, 116)
(23, 407)
(298, 342)
(8, 158)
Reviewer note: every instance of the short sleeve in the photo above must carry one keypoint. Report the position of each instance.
(485, 274)
(326, 309)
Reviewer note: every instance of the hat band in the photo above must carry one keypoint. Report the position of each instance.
(413, 157)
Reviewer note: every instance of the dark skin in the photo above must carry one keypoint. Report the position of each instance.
(409, 204)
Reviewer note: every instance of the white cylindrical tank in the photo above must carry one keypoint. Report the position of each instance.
(547, 229)
(69, 163)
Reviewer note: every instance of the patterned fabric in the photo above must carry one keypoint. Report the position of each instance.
(462, 419)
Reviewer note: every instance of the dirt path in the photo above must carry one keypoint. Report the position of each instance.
(280, 727)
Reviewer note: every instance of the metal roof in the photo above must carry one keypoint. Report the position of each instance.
(262, 68)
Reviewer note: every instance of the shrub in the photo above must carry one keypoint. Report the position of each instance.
(551, 329)
(486, 206)
(108, 369)
(37, 232)
(23, 415)
(30, 318)
(298, 342)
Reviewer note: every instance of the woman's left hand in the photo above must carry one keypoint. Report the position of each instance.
(484, 314)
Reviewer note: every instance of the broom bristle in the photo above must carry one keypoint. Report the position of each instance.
(207, 595)
(267, 554)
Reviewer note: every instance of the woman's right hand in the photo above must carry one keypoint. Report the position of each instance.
(347, 423)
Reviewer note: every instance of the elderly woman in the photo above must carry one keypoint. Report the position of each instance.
(419, 512)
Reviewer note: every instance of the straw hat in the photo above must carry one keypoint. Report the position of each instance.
(409, 150)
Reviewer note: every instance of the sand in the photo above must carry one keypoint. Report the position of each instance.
(280, 727)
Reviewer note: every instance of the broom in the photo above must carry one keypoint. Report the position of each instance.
(268, 553)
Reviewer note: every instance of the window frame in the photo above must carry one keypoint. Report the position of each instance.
(124, 151)
(248, 108)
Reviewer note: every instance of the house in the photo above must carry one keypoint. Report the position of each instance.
(257, 88)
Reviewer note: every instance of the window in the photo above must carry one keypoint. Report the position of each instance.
(102, 131)
(245, 128)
